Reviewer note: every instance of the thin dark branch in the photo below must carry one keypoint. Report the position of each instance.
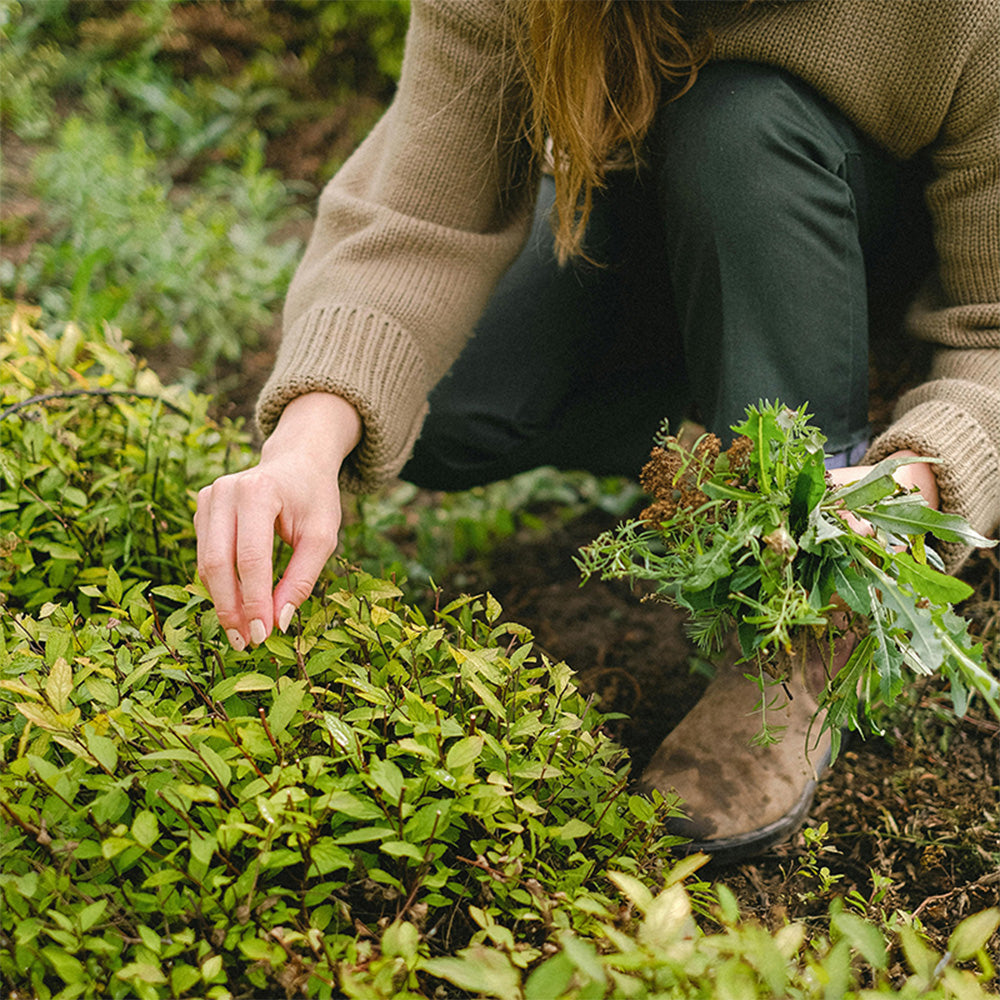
(69, 393)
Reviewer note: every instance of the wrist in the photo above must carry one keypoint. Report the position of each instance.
(323, 425)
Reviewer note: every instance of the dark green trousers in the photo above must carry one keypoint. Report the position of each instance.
(738, 265)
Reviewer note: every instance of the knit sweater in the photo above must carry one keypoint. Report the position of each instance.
(415, 230)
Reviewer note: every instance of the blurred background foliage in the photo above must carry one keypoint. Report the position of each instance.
(199, 77)
(159, 155)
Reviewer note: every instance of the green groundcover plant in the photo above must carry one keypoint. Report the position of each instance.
(384, 802)
(97, 461)
(752, 538)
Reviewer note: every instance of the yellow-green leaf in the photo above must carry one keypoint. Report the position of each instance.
(464, 752)
(22, 689)
(102, 748)
(59, 685)
(972, 933)
(145, 828)
(41, 716)
(286, 704)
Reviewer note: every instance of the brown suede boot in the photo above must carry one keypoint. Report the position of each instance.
(739, 799)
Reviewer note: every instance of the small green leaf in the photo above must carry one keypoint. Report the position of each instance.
(145, 828)
(550, 979)
(464, 752)
(583, 955)
(480, 970)
(852, 587)
(632, 889)
(388, 778)
(59, 685)
(365, 835)
(401, 938)
(875, 485)
(493, 609)
(22, 689)
(102, 748)
(326, 857)
(254, 682)
(286, 703)
(111, 847)
(229, 686)
(108, 808)
(926, 640)
(920, 958)
(42, 716)
(150, 938)
(342, 733)
(202, 849)
(810, 486)
(113, 586)
(89, 915)
(572, 829)
(350, 805)
(211, 968)
(971, 935)
(145, 972)
(218, 767)
(667, 918)
(165, 876)
(490, 701)
(182, 978)
(66, 966)
(929, 582)
(685, 868)
(173, 593)
(864, 937)
(402, 849)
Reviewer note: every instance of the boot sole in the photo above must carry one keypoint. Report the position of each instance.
(731, 850)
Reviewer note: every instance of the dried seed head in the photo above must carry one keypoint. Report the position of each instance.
(657, 513)
(706, 451)
(738, 454)
(691, 498)
(658, 474)
(707, 448)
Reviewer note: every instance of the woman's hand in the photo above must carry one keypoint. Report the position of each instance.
(293, 489)
(919, 474)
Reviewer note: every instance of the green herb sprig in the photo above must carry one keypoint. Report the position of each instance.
(754, 538)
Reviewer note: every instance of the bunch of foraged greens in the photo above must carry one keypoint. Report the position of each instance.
(754, 537)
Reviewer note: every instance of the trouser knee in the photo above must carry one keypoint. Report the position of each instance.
(758, 187)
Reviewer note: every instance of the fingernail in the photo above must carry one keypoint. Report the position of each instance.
(285, 618)
(257, 632)
(236, 640)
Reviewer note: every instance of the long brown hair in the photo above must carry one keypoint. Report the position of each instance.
(597, 70)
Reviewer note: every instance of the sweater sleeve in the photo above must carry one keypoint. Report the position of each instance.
(955, 415)
(411, 236)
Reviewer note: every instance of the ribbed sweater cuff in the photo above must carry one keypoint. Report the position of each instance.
(969, 472)
(375, 366)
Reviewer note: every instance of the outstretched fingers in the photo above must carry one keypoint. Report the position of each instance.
(309, 557)
(234, 523)
(254, 545)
